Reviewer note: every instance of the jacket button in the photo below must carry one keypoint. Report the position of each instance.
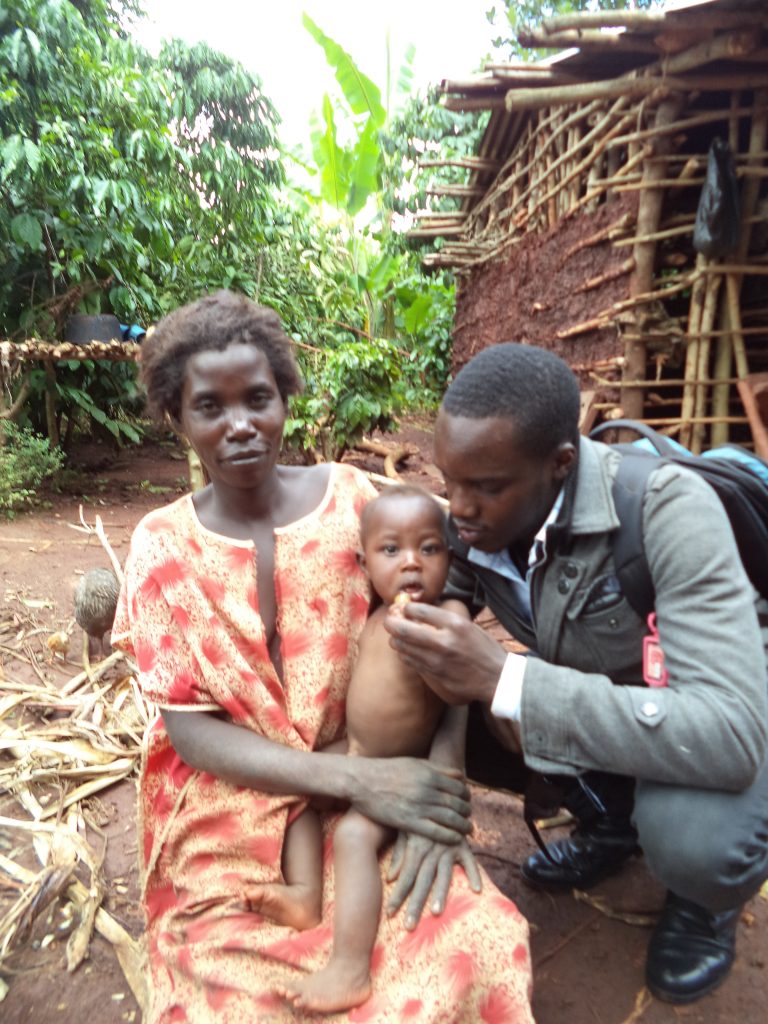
(571, 570)
(613, 623)
(650, 709)
(563, 585)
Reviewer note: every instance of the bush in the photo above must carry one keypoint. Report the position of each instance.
(25, 461)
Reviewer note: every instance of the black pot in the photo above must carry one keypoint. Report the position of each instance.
(82, 328)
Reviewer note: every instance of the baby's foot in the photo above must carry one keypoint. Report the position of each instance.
(339, 986)
(297, 906)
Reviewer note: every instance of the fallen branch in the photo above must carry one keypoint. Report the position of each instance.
(390, 455)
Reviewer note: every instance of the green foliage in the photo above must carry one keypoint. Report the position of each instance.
(25, 461)
(98, 397)
(351, 390)
(425, 322)
(117, 170)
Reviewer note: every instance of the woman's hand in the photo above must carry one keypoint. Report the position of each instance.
(409, 794)
(423, 868)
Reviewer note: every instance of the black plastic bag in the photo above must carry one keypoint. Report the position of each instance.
(716, 231)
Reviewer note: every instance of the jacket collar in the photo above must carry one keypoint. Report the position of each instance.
(591, 509)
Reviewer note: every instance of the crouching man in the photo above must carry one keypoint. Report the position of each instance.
(678, 772)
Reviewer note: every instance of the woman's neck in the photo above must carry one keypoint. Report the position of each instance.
(236, 512)
(289, 494)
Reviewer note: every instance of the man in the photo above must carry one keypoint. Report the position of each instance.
(680, 771)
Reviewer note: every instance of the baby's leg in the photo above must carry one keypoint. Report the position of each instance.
(346, 980)
(297, 903)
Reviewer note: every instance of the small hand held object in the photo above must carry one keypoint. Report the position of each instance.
(397, 608)
(654, 669)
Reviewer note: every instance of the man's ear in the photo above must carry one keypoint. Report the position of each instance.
(565, 456)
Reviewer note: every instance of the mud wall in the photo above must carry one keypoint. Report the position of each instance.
(538, 291)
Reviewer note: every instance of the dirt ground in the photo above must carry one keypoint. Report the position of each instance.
(588, 957)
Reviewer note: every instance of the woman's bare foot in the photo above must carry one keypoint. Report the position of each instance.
(297, 906)
(338, 986)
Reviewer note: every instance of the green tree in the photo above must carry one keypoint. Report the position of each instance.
(116, 170)
(129, 185)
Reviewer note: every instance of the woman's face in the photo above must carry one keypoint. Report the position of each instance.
(232, 414)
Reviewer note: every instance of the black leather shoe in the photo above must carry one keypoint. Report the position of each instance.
(590, 854)
(691, 950)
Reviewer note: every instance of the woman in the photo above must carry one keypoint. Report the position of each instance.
(242, 605)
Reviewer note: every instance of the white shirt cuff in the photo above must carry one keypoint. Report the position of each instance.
(508, 698)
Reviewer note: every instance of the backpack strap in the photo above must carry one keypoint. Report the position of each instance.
(659, 441)
(628, 548)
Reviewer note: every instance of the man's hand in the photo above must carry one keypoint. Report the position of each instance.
(409, 794)
(423, 868)
(456, 658)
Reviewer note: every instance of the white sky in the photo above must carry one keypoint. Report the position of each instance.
(451, 38)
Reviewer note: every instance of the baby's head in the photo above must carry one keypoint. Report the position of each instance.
(404, 548)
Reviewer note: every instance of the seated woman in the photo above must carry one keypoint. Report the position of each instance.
(242, 604)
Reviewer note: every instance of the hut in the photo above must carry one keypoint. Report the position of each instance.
(576, 226)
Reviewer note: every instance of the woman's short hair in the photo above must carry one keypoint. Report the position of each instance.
(528, 385)
(212, 323)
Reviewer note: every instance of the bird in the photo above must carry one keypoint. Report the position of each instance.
(58, 643)
(95, 605)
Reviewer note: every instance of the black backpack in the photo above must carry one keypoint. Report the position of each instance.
(739, 478)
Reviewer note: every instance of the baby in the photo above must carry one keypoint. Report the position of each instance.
(391, 712)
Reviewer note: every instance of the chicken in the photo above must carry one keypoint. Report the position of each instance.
(58, 643)
(95, 605)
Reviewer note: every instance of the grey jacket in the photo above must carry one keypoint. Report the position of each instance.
(708, 727)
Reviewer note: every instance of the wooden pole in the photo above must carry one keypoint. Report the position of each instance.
(632, 88)
(700, 394)
(644, 255)
(731, 314)
(649, 21)
(695, 310)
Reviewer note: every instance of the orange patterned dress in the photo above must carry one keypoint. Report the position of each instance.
(189, 613)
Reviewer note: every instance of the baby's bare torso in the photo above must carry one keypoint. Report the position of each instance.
(391, 712)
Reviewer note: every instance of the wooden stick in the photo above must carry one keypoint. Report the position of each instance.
(678, 127)
(663, 183)
(656, 236)
(676, 420)
(644, 255)
(649, 21)
(721, 395)
(586, 40)
(695, 310)
(663, 382)
(597, 323)
(601, 136)
(732, 285)
(472, 163)
(749, 269)
(535, 99)
(731, 317)
(35, 349)
(603, 186)
(700, 390)
(18, 403)
(617, 227)
(609, 275)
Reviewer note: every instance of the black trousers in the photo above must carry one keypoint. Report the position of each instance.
(706, 845)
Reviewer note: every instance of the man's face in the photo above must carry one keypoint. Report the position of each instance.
(499, 494)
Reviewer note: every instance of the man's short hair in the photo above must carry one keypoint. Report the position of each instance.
(528, 385)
